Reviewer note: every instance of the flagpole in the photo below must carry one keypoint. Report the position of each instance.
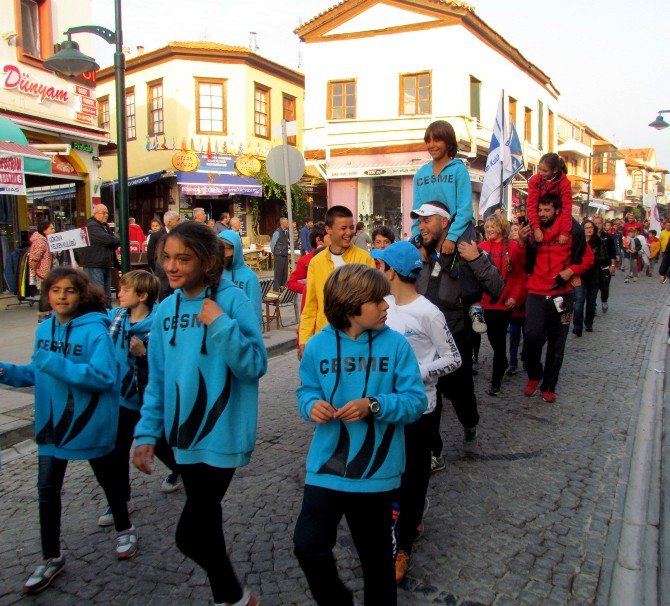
(502, 154)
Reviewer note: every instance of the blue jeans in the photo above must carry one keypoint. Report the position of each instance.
(515, 330)
(585, 298)
(102, 276)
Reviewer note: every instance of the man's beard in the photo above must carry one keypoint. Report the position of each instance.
(547, 222)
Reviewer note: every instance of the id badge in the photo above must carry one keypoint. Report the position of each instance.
(436, 270)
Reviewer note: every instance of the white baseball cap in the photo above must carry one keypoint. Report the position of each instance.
(429, 209)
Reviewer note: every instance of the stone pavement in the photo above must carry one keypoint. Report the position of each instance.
(533, 518)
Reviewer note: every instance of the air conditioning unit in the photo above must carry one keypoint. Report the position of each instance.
(630, 193)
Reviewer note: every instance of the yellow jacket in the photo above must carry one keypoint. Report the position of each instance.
(313, 318)
(664, 236)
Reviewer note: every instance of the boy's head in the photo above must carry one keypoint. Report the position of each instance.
(340, 226)
(382, 237)
(402, 259)
(653, 233)
(317, 234)
(351, 287)
(138, 287)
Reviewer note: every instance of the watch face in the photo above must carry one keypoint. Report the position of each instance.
(374, 406)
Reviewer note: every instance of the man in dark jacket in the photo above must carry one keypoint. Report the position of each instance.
(279, 248)
(439, 283)
(97, 259)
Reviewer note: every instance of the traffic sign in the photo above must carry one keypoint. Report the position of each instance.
(274, 164)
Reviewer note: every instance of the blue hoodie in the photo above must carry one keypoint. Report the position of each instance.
(452, 187)
(203, 380)
(366, 455)
(121, 332)
(75, 375)
(241, 275)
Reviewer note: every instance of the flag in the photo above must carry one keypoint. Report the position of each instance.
(513, 156)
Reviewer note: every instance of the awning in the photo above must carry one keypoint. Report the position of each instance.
(51, 194)
(135, 181)
(213, 184)
(34, 161)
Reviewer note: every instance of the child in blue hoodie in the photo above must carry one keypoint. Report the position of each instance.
(130, 328)
(360, 384)
(206, 355)
(235, 270)
(75, 376)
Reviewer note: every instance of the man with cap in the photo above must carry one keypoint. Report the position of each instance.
(425, 329)
(439, 281)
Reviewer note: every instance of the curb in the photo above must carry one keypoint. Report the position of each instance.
(635, 571)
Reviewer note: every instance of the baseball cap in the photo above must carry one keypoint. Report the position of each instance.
(430, 208)
(402, 256)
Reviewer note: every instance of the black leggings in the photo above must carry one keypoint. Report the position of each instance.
(200, 529)
(50, 475)
(497, 321)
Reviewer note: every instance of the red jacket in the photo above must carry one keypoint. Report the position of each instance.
(633, 224)
(300, 273)
(135, 233)
(537, 187)
(552, 258)
(514, 279)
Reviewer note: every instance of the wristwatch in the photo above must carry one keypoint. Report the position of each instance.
(375, 406)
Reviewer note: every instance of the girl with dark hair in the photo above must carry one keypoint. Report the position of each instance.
(74, 373)
(551, 178)
(206, 355)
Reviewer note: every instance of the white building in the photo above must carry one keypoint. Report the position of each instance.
(377, 72)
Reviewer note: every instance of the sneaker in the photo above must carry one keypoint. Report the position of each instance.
(402, 566)
(171, 483)
(605, 307)
(46, 572)
(531, 388)
(494, 390)
(436, 464)
(470, 440)
(588, 328)
(549, 396)
(107, 519)
(625, 281)
(475, 367)
(668, 340)
(512, 370)
(634, 279)
(477, 316)
(577, 332)
(249, 598)
(125, 544)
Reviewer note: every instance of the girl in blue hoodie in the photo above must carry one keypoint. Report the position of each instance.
(360, 384)
(75, 376)
(206, 355)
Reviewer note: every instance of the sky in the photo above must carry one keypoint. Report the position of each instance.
(610, 59)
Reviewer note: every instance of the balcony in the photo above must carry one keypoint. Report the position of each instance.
(574, 147)
(604, 182)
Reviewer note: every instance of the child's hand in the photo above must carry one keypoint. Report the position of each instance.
(354, 410)
(210, 311)
(143, 458)
(448, 247)
(538, 235)
(562, 239)
(510, 303)
(137, 347)
(322, 412)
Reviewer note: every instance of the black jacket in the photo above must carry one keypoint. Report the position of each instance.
(103, 246)
(151, 247)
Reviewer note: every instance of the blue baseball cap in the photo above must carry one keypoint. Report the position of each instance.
(402, 256)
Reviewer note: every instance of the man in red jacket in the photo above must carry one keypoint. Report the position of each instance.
(631, 223)
(552, 267)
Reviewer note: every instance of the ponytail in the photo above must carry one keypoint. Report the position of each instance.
(555, 163)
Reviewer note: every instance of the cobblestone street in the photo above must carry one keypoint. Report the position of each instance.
(532, 518)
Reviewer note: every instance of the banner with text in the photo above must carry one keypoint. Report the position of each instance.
(67, 240)
(12, 177)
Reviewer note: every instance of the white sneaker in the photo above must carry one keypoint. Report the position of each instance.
(46, 572)
(668, 340)
(436, 464)
(107, 519)
(476, 314)
(125, 544)
(171, 483)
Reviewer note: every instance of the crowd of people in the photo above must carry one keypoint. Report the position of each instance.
(389, 330)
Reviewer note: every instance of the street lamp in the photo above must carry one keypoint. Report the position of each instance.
(72, 62)
(660, 123)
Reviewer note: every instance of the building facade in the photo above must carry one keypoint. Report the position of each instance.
(374, 82)
(212, 103)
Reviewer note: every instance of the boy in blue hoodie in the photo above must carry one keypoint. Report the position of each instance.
(360, 384)
(236, 270)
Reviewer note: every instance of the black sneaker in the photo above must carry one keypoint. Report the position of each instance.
(494, 390)
(588, 328)
(470, 440)
(46, 572)
(577, 332)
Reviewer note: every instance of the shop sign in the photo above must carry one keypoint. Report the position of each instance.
(67, 240)
(12, 178)
(220, 164)
(15, 79)
(356, 172)
(248, 165)
(60, 165)
(185, 161)
(85, 147)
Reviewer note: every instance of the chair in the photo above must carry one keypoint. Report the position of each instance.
(273, 302)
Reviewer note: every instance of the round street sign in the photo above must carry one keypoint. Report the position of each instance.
(274, 164)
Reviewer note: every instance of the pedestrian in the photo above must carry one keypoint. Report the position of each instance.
(362, 238)
(425, 329)
(340, 229)
(586, 293)
(360, 383)
(130, 328)
(223, 223)
(446, 180)
(518, 319)
(664, 236)
(631, 223)
(237, 271)
(632, 249)
(40, 259)
(305, 243)
(235, 224)
(654, 250)
(382, 237)
(199, 215)
(611, 248)
(279, 247)
(99, 257)
(644, 258)
(156, 232)
(75, 375)
(550, 302)
(172, 219)
(135, 233)
(206, 355)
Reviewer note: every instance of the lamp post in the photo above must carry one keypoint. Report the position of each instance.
(72, 62)
(660, 123)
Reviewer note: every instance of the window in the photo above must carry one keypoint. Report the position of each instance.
(131, 124)
(210, 98)
(341, 100)
(262, 111)
(512, 110)
(155, 107)
(528, 124)
(33, 25)
(103, 113)
(288, 104)
(540, 125)
(415, 94)
(550, 126)
(475, 98)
